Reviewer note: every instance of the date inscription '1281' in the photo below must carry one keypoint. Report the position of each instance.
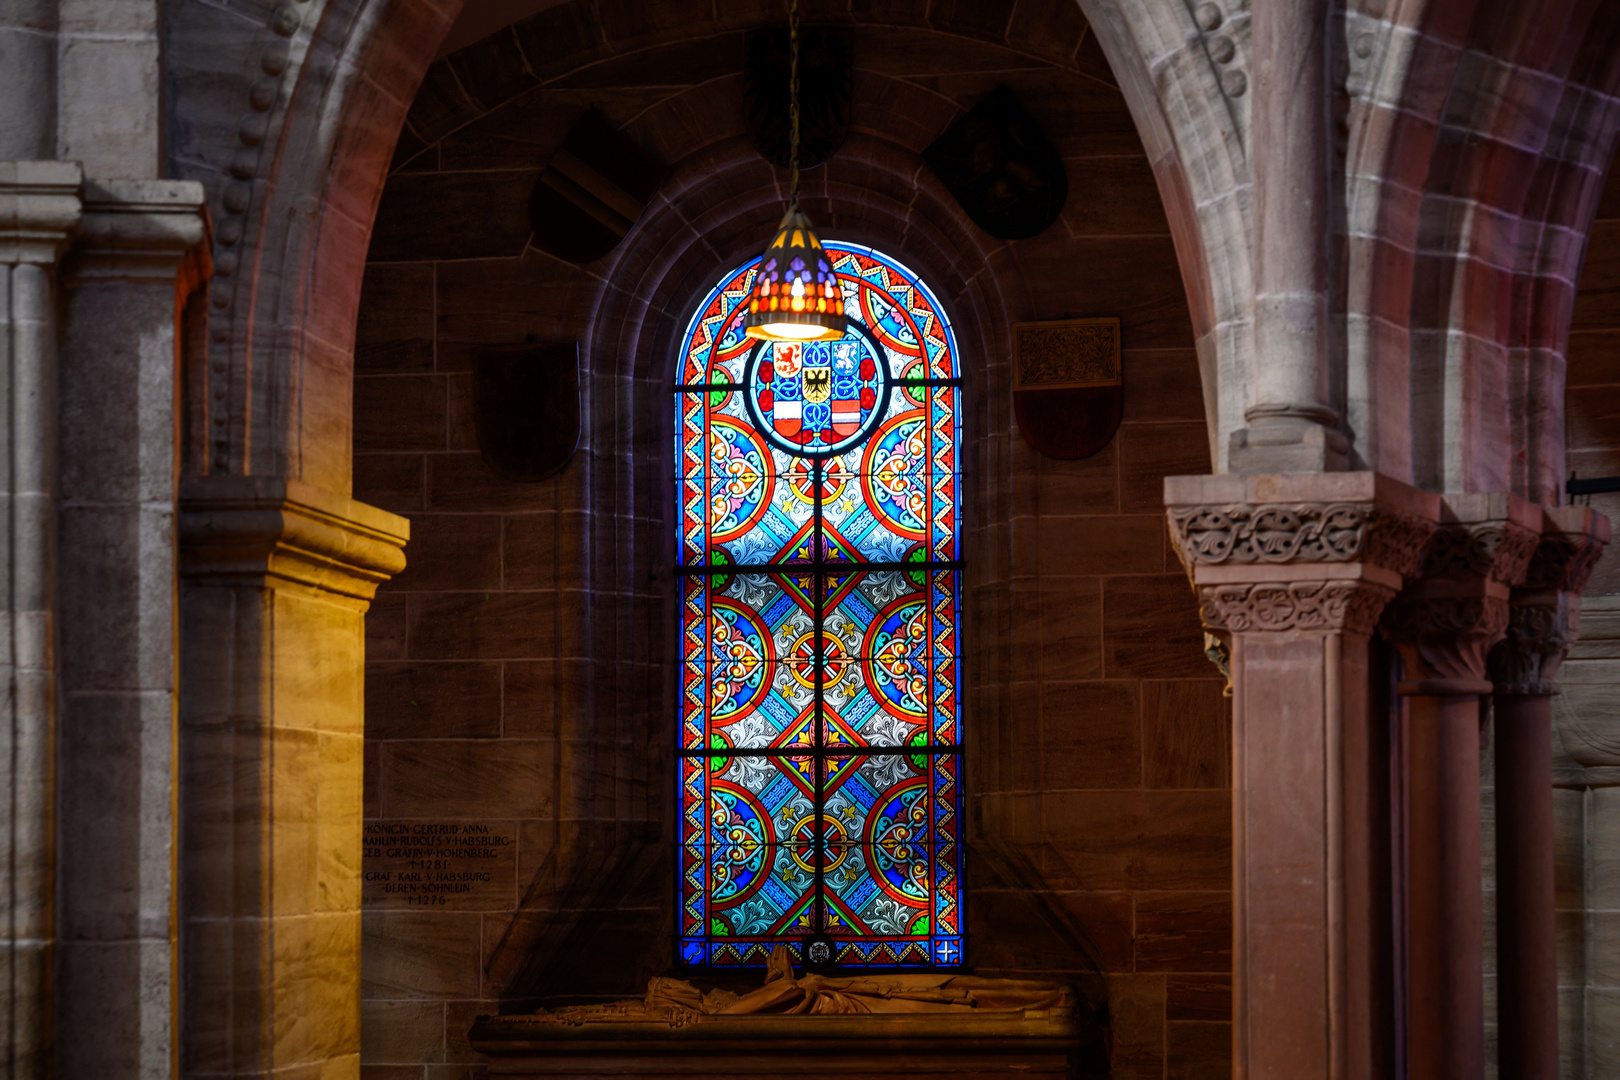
(465, 865)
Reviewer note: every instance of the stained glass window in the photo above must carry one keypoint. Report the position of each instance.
(820, 756)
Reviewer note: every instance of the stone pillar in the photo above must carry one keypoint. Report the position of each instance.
(1444, 624)
(28, 57)
(140, 251)
(1292, 426)
(276, 577)
(1542, 623)
(39, 213)
(1295, 569)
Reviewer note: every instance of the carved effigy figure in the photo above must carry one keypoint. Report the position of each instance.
(785, 994)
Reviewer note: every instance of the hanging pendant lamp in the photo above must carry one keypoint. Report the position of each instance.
(796, 295)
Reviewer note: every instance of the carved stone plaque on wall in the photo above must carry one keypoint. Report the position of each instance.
(1068, 392)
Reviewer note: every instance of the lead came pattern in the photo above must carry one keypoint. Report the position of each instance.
(820, 733)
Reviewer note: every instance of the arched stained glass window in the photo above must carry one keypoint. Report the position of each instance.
(820, 757)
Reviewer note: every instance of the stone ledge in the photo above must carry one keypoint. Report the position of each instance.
(249, 530)
(141, 229)
(39, 209)
(1017, 1042)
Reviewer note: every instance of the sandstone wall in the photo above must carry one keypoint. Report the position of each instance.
(519, 677)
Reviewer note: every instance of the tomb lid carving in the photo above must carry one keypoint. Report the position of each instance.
(1011, 1024)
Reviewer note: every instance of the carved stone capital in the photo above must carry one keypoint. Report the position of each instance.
(1498, 550)
(1572, 542)
(1285, 533)
(1538, 638)
(1545, 617)
(1444, 640)
(1351, 605)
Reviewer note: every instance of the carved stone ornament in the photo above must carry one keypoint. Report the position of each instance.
(1299, 533)
(869, 1024)
(1538, 638)
(1068, 387)
(1300, 605)
(1498, 550)
(1563, 561)
(1445, 639)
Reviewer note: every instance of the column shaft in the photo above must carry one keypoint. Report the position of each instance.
(116, 991)
(1296, 569)
(1527, 952)
(1445, 921)
(1445, 623)
(39, 209)
(1542, 624)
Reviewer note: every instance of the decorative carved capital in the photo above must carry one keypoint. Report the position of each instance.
(1569, 549)
(1444, 639)
(1497, 550)
(1298, 605)
(1538, 638)
(1546, 609)
(1298, 533)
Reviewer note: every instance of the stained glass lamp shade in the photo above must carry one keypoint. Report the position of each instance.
(820, 740)
(795, 296)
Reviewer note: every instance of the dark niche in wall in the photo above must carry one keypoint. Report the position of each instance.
(998, 163)
(527, 401)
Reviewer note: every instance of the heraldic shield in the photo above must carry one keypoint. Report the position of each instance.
(817, 397)
(1068, 393)
(527, 402)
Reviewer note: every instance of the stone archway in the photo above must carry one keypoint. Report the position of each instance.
(279, 563)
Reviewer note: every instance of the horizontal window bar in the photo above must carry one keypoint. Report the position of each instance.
(828, 751)
(702, 388)
(727, 569)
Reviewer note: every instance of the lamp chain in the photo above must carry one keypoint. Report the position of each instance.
(793, 96)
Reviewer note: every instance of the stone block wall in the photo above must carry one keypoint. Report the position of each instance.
(1586, 715)
(519, 698)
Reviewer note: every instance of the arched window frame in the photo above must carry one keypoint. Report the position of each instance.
(896, 489)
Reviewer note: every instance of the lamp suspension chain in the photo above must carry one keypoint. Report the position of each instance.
(793, 97)
(795, 296)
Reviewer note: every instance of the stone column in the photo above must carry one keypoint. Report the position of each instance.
(39, 213)
(1444, 624)
(1292, 426)
(1295, 569)
(1543, 621)
(140, 251)
(276, 579)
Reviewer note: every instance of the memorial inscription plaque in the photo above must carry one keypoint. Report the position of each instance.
(466, 865)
